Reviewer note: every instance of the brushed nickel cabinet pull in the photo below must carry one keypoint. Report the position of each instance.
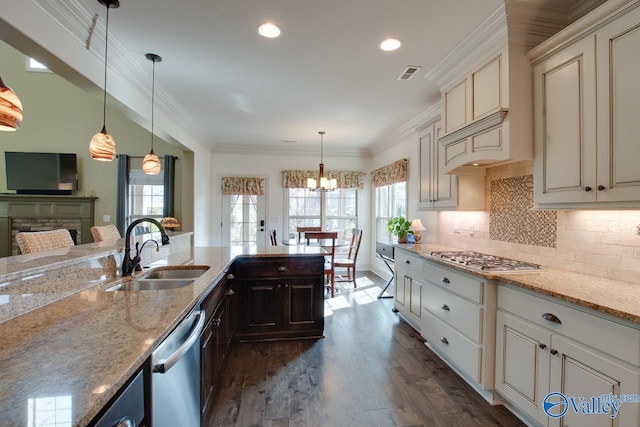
(282, 269)
(445, 280)
(445, 307)
(444, 340)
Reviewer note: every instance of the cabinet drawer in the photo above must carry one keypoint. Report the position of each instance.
(461, 351)
(605, 335)
(457, 312)
(405, 261)
(469, 287)
(281, 266)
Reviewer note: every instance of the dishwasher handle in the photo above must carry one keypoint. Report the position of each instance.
(165, 364)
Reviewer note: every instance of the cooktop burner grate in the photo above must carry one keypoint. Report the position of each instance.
(485, 262)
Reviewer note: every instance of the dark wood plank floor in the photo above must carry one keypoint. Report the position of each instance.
(371, 369)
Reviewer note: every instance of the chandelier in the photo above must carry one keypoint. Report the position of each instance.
(326, 184)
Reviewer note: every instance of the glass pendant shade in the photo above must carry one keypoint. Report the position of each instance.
(151, 164)
(10, 109)
(102, 146)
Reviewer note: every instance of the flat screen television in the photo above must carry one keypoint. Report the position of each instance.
(41, 173)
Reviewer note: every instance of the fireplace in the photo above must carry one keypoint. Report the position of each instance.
(40, 213)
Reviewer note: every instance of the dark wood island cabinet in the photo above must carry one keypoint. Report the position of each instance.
(280, 297)
(215, 339)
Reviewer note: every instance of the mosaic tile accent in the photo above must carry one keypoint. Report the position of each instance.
(511, 218)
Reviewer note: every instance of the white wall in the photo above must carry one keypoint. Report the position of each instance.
(271, 165)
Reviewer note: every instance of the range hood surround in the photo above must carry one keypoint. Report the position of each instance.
(497, 128)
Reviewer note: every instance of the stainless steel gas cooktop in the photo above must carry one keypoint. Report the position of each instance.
(485, 262)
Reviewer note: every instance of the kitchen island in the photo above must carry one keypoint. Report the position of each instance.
(66, 359)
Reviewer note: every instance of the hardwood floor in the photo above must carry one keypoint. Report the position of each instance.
(371, 369)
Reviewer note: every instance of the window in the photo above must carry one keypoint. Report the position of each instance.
(336, 210)
(390, 201)
(146, 195)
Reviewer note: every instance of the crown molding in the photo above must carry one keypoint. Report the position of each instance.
(406, 130)
(485, 39)
(125, 68)
(288, 150)
(582, 27)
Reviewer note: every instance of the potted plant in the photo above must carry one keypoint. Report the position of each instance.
(399, 226)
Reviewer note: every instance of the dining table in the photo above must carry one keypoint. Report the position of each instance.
(325, 243)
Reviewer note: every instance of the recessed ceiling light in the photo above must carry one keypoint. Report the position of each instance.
(269, 30)
(390, 44)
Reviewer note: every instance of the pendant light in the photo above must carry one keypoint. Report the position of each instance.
(151, 162)
(325, 183)
(10, 109)
(102, 146)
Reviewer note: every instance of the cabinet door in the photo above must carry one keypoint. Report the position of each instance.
(399, 295)
(428, 163)
(580, 372)
(445, 186)
(522, 364)
(261, 306)
(618, 63)
(304, 304)
(415, 299)
(565, 125)
(207, 368)
(437, 189)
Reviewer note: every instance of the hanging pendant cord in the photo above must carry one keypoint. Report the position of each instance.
(153, 96)
(106, 50)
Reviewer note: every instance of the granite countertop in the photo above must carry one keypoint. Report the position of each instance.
(69, 357)
(618, 299)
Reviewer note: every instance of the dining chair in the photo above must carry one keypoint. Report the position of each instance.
(350, 261)
(38, 241)
(105, 232)
(273, 237)
(328, 241)
(303, 230)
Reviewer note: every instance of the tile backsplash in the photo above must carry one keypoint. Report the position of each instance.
(511, 218)
(595, 242)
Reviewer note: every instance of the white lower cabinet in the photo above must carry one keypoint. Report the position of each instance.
(458, 323)
(408, 292)
(535, 356)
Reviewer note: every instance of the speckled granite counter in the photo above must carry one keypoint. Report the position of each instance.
(82, 348)
(614, 298)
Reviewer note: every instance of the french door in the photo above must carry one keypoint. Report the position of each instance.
(243, 220)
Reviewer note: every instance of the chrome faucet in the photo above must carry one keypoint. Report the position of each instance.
(129, 265)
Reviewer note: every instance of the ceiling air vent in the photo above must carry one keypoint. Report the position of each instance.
(408, 72)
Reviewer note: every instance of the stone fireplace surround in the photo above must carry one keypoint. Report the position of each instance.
(44, 212)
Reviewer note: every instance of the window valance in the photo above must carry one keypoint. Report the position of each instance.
(390, 174)
(244, 185)
(345, 179)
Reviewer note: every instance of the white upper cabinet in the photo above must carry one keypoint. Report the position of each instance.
(486, 89)
(439, 190)
(586, 99)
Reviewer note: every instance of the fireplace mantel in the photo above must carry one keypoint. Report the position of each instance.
(18, 207)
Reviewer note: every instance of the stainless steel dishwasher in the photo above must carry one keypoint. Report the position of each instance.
(175, 379)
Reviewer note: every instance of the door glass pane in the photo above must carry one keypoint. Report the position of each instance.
(243, 221)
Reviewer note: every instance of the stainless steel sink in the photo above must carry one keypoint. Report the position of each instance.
(175, 273)
(150, 285)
